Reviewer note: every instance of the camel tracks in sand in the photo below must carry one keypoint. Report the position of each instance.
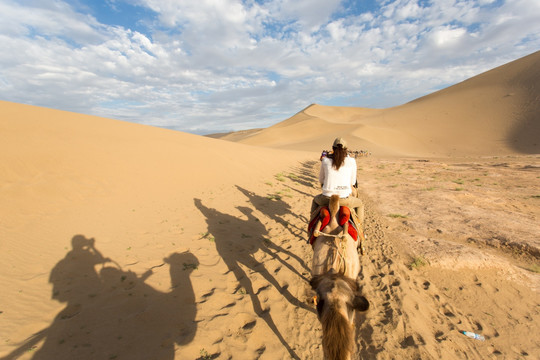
(402, 302)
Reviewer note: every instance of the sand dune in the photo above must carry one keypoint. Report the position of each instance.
(494, 113)
(124, 241)
(132, 188)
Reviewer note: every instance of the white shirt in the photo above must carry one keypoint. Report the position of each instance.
(337, 182)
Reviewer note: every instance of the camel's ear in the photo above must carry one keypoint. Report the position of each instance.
(360, 303)
(314, 282)
(320, 307)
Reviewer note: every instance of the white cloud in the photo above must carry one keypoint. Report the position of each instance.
(309, 14)
(234, 64)
(446, 36)
(48, 19)
(336, 30)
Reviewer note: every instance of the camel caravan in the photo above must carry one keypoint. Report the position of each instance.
(335, 232)
(355, 153)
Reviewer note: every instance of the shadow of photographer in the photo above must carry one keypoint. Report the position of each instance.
(112, 313)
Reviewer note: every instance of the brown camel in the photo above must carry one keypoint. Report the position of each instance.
(334, 277)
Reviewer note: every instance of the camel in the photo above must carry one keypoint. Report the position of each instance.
(335, 269)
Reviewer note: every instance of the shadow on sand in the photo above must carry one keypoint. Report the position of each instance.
(236, 241)
(306, 174)
(277, 212)
(111, 313)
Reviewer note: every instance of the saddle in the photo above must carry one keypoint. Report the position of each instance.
(344, 216)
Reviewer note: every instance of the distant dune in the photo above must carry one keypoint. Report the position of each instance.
(494, 113)
(234, 135)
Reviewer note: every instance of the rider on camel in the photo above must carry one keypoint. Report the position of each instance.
(337, 177)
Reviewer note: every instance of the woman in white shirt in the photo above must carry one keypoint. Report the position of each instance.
(337, 177)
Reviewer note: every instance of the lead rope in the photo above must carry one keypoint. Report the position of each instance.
(339, 254)
(342, 243)
(319, 233)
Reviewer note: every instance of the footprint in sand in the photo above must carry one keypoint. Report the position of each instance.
(230, 305)
(205, 297)
(439, 336)
(263, 288)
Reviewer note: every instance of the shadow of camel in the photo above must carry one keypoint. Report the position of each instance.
(113, 313)
(276, 209)
(276, 212)
(306, 174)
(236, 241)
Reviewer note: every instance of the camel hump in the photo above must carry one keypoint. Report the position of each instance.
(333, 206)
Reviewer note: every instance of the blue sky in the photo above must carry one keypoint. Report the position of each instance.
(204, 66)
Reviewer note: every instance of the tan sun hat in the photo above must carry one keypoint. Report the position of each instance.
(340, 141)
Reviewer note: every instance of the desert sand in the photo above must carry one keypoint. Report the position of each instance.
(125, 241)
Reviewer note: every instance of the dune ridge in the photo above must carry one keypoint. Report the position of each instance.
(494, 113)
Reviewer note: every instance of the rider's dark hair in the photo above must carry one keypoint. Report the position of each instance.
(338, 158)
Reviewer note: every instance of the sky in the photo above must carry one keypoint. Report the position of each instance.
(208, 66)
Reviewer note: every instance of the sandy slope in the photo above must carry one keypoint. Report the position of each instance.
(131, 188)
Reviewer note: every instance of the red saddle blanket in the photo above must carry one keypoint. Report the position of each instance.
(344, 215)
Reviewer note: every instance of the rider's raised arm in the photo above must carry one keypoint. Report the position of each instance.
(322, 174)
(353, 172)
